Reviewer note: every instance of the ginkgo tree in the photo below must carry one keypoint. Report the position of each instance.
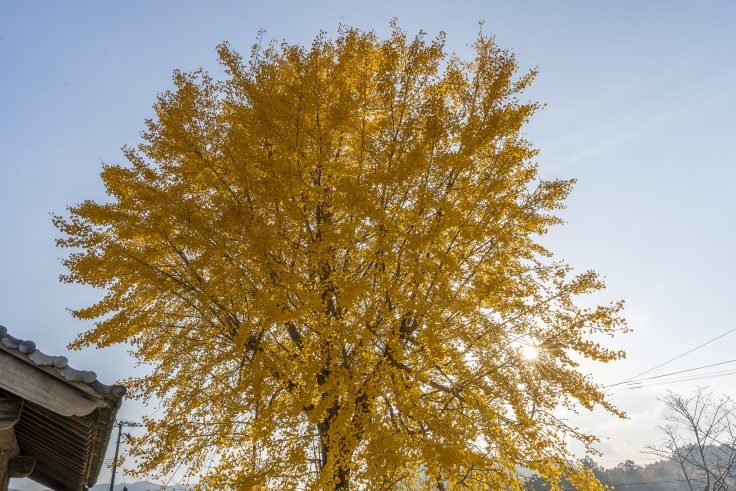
(330, 260)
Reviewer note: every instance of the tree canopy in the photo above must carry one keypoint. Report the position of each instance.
(330, 259)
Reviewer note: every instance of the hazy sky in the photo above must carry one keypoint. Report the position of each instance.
(640, 109)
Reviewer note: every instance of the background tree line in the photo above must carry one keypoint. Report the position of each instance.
(697, 451)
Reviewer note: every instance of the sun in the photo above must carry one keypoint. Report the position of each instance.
(529, 352)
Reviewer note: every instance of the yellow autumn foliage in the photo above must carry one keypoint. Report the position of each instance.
(330, 260)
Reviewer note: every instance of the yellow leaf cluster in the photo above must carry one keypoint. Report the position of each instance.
(330, 260)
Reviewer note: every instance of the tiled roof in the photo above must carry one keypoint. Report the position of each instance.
(59, 363)
(68, 437)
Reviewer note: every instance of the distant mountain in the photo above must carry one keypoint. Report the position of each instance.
(28, 485)
(664, 475)
(137, 486)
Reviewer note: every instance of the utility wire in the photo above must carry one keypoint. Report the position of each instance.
(687, 378)
(690, 378)
(647, 379)
(675, 358)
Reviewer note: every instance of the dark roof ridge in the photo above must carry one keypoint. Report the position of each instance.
(59, 363)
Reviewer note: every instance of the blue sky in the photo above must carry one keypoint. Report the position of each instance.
(640, 109)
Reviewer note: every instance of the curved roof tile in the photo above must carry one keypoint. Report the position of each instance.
(59, 363)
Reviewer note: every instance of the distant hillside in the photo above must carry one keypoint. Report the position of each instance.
(658, 476)
(27, 485)
(137, 486)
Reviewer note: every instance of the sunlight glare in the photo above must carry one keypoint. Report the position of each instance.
(529, 352)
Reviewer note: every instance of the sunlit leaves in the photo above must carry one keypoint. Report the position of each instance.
(331, 262)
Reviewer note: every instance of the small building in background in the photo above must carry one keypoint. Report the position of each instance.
(55, 421)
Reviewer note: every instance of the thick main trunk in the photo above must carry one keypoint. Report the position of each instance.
(347, 443)
(341, 473)
(343, 479)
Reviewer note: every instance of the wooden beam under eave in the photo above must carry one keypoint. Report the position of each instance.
(35, 385)
(10, 409)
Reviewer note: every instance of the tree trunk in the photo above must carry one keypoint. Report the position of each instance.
(341, 474)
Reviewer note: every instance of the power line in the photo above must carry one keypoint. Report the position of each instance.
(689, 378)
(647, 379)
(686, 378)
(675, 358)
